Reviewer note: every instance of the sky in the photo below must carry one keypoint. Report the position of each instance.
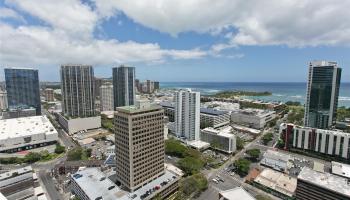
(182, 40)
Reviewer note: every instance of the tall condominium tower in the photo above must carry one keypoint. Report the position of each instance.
(124, 86)
(22, 87)
(77, 85)
(139, 146)
(322, 94)
(187, 114)
(3, 100)
(106, 97)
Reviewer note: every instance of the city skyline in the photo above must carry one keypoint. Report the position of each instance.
(106, 35)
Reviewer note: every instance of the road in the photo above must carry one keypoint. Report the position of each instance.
(231, 181)
(49, 185)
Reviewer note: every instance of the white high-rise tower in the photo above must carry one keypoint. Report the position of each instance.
(187, 114)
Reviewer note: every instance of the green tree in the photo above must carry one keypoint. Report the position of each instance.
(190, 165)
(59, 149)
(88, 152)
(175, 148)
(193, 185)
(32, 157)
(267, 138)
(242, 165)
(239, 143)
(75, 154)
(253, 153)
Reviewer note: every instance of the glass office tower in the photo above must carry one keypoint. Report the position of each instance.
(22, 87)
(322, 94)
(123, 86)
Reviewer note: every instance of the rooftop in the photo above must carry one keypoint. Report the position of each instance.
(19, 171)
(254, 112)
(25, 126)
(210, 111)
(277, 181)
(224, 132)
(275, 155)
(136, 109)
(237, 193)
(325, 180)
(197, 144)
(341, 169)
(95, 184)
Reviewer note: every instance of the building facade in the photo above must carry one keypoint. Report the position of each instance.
(222, 140)
(322, 94)
(49, 95)
(139, 144)
(124, 86)
(26, 133)
(213, 118)
(22, 86)
(187, 114)
(3, 100)
(106, 97)
(253, 118)
(78, 88)
(333, 143)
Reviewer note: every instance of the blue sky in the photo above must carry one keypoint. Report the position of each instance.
(191, 40)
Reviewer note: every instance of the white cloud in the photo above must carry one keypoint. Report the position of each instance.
(36, 45)
(66, 36)
(9, 13)
(274, 22)
(71, 16)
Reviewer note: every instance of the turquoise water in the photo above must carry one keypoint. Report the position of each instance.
(280, 91)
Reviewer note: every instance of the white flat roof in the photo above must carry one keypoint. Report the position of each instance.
(224, 132)
(198, 144)
(25, 126)
(237, 193)
(341, 169)
(325, 180)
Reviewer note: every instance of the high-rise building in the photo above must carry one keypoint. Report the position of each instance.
(149, 86)
(77, 85)
(3, 100)
(22, 86)
(124, 86)
(139, 146)
(322, 94)
(187, 114)
(106, 97)
(49, 96)
(156, 85)
(98, 83)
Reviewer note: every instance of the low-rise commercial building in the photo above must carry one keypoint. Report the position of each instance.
(235, 193)
(213, 118)
(16, 180)
(254, 118)
(26, 133)
(73, 125)
(279, 183)
(19, 112)
(222, 139)
(275, 160)
(330, 142)
(313, 185)
(92, 184)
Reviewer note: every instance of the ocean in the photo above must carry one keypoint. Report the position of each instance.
(282, 92)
